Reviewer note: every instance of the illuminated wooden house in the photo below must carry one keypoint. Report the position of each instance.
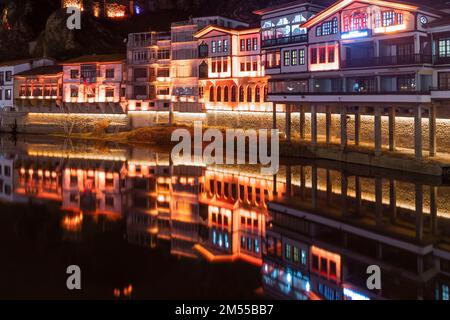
(356, 66)
(39, 89)
(231, 71)
(94, 84)
(148, 71)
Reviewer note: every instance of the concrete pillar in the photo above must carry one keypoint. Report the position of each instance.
(433, 210)
(378, 201)
(393, 200)
(392, 129)
(302, 122)
(419, 211)
(377, 137)
(418, 132)
(288, 122)
(274, 115)
(313, 126)
(328, 124)
(432, 130)
(357, 127)
(343, 127)
(314, 186)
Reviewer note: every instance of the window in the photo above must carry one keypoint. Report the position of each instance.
(406, 83)
(327, 28)
(8, 76)
(318, 31)
(296, 256)
(255, 66)
(304, 257)
(109, 93)
(356, 20)
(110, 73)
(233, 99)
(388, 18)
(219, 94)
(242, 45)
(322, 55)
(330, 54)
(213, 67)
(219, 66)
(74, 74)
(301, 56)
(313, 55)
(241, 99)
(249, 66)
(219, 46)
(211, 94)
(242, 66)
(225, 99)
(444, 48)
(255, 44)
(213, 47)
(257, 94)
(8, 94)
(335, 26)
(249, 99)
(225, 45)
(294, 58)
(225, 66)
(445, 293)
(444, 80)
(288, 253)
(286, 58)
(7, 171)
(249, 44)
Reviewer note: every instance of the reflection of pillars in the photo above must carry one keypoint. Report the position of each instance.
(275, 192)
(328, 125)
(314, 185)
(344, 186)
(433, 209)
(358, 196)
(377, 119)
(288, 122)
(329, 187)
(288, 181)
(302, 181)
(357, 127)
(274, 115)
(313, 126)
(392, 200)
(302, 122)
(392, 129)
(419, 212)
(379, 251)
(418, 132)
(432, 129)
(419, 265)
(379, 201)
(343, 127)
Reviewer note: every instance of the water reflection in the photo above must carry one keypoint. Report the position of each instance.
(310, 231)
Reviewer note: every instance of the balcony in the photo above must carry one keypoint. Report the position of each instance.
(412, 59)
(441, 60)
(286, 40)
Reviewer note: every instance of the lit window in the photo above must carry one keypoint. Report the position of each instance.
(225, 45)
(249, 44)
(444, 48)
(255, 66)
(288, 253)
(257, 99)
(242, 66)
(330, 54)
(301, 56)
(225, 66)
(322, 55)
(296, 256)
(445, 292)
(304, 257)
(294, 57)
(219, 46)
(286, 58)
(242, 45)
(313, 55)
(213, 66)
(255, 44)
(213, 47)
(109, 93)
(319, 31)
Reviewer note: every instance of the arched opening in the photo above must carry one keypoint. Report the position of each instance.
(257, 94)
(211, 94)
(219, 94)
(241, 94)
(225, 94)
(249, 94)
(233, 94)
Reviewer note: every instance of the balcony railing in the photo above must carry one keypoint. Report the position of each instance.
(346, 93)
(441, 60)
(388, 61)
(286, 40)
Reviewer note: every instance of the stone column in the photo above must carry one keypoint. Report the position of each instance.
(302, 122)
(433, 210)
(392, 129)
(313, 126)
(343, 126)
(418, 132)
(377, 137)
(432, 129)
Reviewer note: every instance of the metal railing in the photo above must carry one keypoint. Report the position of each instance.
(388, 61)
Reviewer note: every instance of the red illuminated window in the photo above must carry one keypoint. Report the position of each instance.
(330, 54)
(313, 55)
(322, 55)
(355, 21)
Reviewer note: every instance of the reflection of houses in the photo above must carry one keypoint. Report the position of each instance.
(337, 224)
(39, 89)
(148, 71)
(93, 84)
(92, 189)
(6, 178)
(231, 71)
(110, 9)
(236, 205)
